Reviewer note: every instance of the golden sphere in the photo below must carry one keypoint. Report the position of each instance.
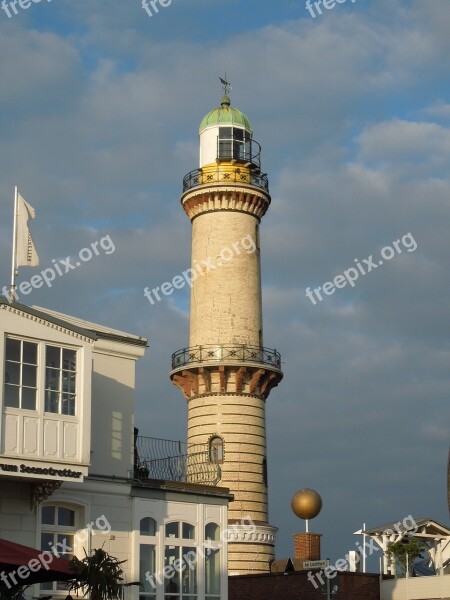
(306, 504)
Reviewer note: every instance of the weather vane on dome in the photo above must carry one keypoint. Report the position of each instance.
(226, 85)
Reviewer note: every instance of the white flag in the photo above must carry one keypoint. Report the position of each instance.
(26, 254)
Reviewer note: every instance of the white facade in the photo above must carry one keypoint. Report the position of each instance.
(67, 462)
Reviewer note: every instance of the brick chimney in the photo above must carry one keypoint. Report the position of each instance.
(307, 546)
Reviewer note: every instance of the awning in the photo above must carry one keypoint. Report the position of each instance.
(22, 565)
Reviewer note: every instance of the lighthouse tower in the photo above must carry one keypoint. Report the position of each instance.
(226, 373)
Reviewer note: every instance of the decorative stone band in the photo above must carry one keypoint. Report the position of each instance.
(259, 534)
(255, 380)
(239, 198)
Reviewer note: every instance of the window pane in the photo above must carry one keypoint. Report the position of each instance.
(52, 379)
(225, 149)
(66, 517)
(212, 532)
(68, 382)
(172, 584)
(12, 373)
(147, 565)
(68, 405)
(147, 526)
(238, 134)
(12, 350)
(188, 531)
(12, 396)
(248, 150)
(172, 529)
(69, 360)
(48, 515)
(47, 541)
(225, 133)
(48, 585)
(212, 572)
(65, 547)
(189, 583)
(28, 398)
(53, 356)
(238, 150)
(51, 402)
(29, 375)
(62, 585)
(29, 353)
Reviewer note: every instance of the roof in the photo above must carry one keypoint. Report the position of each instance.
(181, 486)
(286, 565)
(80, 326)
(225, 115)
(423, 525)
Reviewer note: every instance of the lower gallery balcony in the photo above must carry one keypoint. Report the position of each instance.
(170, 460)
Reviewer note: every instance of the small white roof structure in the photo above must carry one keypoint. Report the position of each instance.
(428, 531)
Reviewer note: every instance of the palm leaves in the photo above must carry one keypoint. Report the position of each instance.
(99, 575)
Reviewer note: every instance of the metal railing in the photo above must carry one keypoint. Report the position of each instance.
(170, 460)
(226, 354)
(245, 151)
(198, 177)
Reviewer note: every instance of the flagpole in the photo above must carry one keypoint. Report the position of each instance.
(12, 287)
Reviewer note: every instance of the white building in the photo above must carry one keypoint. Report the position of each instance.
(71, 470)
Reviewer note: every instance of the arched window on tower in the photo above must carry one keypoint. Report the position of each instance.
(216, 449)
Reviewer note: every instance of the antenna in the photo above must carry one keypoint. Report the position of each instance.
(226, 85)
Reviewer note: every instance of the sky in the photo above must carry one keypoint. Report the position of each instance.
(100, 106)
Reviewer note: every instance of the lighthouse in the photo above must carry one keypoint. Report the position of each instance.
(226, 373)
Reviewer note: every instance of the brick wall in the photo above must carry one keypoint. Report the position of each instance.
(307, 546)
(295, 586)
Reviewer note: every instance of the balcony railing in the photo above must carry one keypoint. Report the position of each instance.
(174, 461)
(226, 354)
(198, 177)
(246, 151)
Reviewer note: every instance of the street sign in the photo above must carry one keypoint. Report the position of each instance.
(314, 564)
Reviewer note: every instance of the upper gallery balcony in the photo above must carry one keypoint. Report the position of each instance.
(226, 354)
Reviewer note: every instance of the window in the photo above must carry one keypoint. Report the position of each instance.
(58, 527)
(20, 374)
(60, 376)
(212, 562)
(216, 449)
(225, 143)
(180, 562)
(148, 526)
(234, 143)
(147, 559)
(24, 368)
(212, 532)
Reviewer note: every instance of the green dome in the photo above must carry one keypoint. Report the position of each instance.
(225, 115)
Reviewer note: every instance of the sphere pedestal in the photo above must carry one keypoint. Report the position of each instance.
(307, 546)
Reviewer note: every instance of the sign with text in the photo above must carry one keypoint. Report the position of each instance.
(41, 470)
(314, 564)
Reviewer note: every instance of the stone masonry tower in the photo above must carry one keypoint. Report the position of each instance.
(226, 374)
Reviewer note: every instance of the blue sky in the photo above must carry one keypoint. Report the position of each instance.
(100, 107)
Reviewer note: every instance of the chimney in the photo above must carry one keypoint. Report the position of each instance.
(307, 546)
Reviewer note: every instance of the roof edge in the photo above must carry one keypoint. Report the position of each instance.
(83, 331)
